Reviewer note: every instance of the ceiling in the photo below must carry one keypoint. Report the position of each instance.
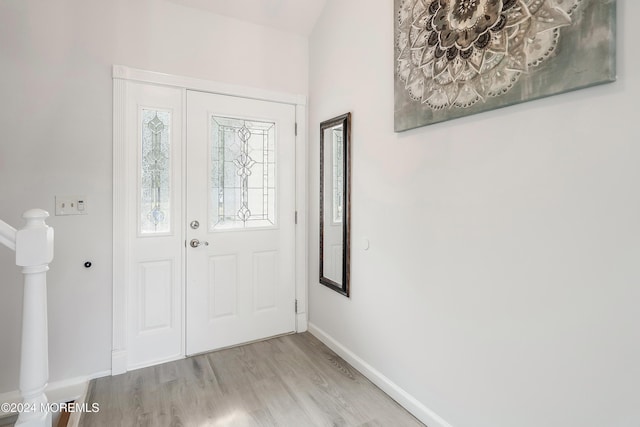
(295, 16)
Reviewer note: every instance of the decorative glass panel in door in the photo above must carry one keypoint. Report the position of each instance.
(243, 174)
(155, 173)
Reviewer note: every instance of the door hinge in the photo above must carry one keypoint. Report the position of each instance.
(295, 130)
(296, 306)
(296, 217)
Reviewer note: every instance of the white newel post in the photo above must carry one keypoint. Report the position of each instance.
(34, 252)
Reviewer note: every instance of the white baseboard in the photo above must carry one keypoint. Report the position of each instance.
(411, 404)
(59, 391)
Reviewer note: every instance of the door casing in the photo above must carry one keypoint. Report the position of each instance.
(123, 77)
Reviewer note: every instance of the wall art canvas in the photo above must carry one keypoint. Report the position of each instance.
(459, 57)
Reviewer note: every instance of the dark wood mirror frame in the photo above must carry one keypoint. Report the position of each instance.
(341, 282)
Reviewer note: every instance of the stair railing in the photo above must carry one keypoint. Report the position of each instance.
(33, 245)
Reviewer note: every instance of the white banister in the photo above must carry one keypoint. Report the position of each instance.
(7, 235)
(33, 245)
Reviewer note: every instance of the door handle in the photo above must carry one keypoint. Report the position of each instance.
(194, 243)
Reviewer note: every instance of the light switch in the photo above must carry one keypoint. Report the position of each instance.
(71, 205)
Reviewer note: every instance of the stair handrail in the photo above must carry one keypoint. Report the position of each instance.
(7, 235)
(33, 245)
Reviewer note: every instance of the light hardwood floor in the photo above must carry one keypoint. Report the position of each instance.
(289, 381)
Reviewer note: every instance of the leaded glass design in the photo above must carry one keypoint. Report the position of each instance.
(243, 174)
(155, 197)
(338, 175)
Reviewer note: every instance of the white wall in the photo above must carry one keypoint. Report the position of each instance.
(56, 139)
(501, 286)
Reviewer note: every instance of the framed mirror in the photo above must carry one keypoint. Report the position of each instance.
(335, 188)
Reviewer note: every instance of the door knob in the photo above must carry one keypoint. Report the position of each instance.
(194, 243)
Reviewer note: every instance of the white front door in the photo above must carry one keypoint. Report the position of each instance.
(240, 214)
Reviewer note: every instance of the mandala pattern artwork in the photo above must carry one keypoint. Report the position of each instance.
(455, 53)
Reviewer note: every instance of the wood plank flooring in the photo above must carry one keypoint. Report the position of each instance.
(289, 381)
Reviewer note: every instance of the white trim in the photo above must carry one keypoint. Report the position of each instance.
(410, 403)
(144, 76)
(118, 362)
(59, 391)
(301, 208)
(121, 245)
(7, 235)
(302, 322)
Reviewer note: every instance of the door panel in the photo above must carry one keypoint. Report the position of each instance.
(155, 285)
(241, 191)
(265, 277)
(223, 286)
(154, 273)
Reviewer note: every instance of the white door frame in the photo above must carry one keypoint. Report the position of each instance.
(122, 75)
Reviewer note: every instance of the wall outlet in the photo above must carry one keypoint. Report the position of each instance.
(71, 205)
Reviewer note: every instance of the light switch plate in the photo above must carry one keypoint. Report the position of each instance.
(71, 205)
